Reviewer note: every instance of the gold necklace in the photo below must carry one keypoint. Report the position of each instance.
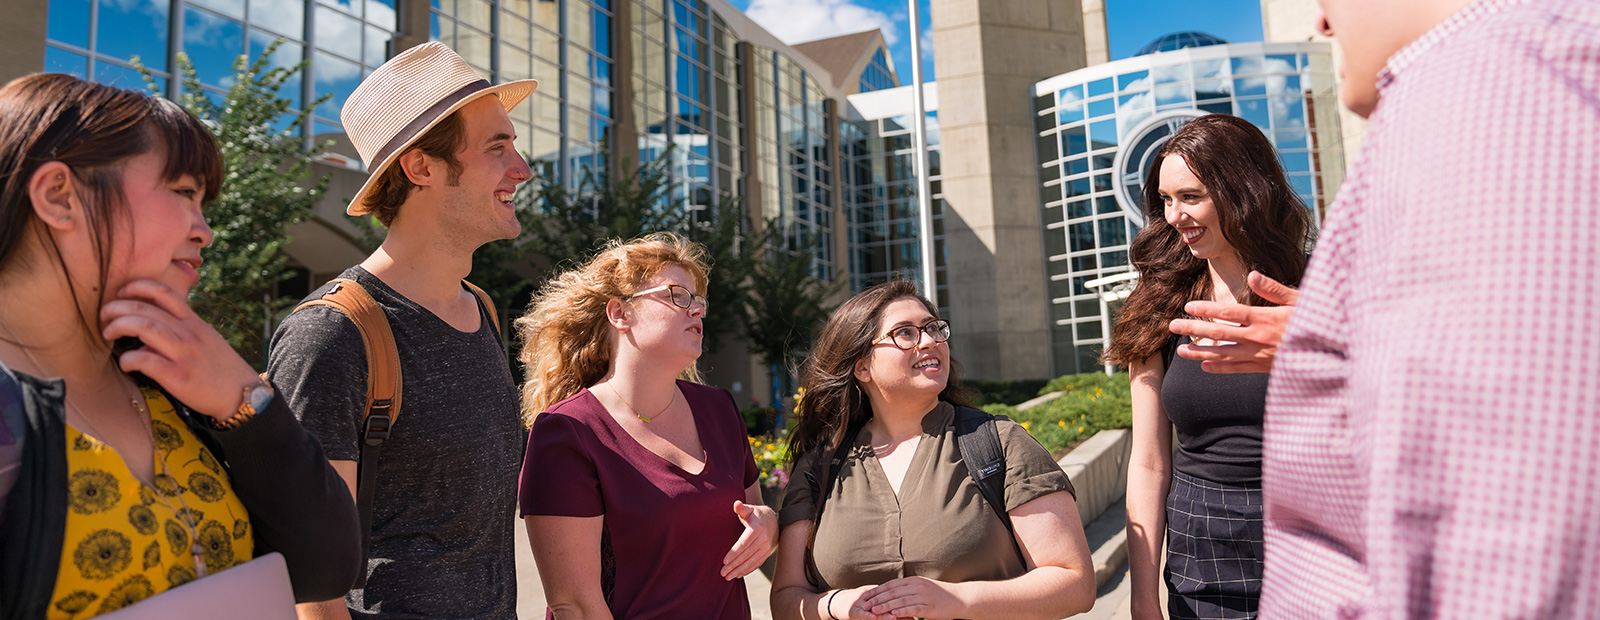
(635, 412)
(148, 419)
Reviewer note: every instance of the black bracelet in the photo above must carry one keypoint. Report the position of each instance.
(829, 606)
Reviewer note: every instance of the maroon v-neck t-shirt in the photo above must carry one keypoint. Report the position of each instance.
(666, 530)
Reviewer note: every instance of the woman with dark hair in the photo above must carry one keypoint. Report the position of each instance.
(885, 521)
(142, 466)
(1218, 207)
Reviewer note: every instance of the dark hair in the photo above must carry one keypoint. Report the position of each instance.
(442, 141)
(94, 129)
(1257, 212)
(833, 400)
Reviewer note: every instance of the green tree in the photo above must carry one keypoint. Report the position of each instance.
(787, 303)
(265, 190)
(574, 222)
(726, 241)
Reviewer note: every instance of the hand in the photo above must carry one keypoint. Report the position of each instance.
(911, 597)
(759, 540)
(850, 605)
(1254, 340)
(181, 352)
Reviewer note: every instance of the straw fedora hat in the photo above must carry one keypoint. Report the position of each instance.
(406, 97)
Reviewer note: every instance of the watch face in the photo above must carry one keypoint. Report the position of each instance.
(1137, 154)
(260, 396)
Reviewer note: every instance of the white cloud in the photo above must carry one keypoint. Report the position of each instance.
(926, 43)
(798, 21)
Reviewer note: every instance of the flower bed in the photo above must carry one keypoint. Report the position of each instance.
(1093, 402)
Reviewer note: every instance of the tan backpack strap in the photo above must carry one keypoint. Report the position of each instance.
(494, 315)
(383, 359)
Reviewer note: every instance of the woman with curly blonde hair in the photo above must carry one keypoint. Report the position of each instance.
(638, 488)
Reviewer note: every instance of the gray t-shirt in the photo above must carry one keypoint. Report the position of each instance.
(446, 492)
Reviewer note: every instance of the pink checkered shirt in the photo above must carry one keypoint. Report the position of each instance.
(1432, 442)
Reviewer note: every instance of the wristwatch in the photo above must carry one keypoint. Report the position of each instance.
(257, 395)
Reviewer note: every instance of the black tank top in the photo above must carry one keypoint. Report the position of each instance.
(1218, 419)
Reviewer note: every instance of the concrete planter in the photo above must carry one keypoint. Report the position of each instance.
(1099, 471)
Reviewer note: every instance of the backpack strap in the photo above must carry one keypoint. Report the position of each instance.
(819, 495)
(383, 391)
(488, 303)
(978, 438)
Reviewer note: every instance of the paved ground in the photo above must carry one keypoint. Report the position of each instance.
(1111, 605)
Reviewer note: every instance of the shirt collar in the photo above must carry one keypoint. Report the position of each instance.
(1443, 31)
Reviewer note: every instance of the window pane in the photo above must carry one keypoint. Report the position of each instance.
(231, 8)
(338, 33)
(285, 18)
(1103, 134)
(1255, 111)
(213, 44)
(57, 60)
(473, 13)
(1100, 87)
(334, 77)
(122, 77)
(1112, 232)
(377, 46)
(473, 45)
(69, 23)
(134, 29)
(1138, 80)
(1082, 236)
(381, 13)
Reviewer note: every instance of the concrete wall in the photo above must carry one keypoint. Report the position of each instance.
(22, 38)
(989, 54)
(1296, 20)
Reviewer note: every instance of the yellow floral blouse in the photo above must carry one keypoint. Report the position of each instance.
(126, 541)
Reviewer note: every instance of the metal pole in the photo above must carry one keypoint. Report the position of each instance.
(919, 133)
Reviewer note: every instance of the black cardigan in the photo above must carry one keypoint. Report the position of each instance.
(298, 505)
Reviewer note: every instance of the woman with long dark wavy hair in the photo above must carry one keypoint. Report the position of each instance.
(1218, 207)
(901, 529)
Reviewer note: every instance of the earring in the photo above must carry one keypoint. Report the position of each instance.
(63, 219)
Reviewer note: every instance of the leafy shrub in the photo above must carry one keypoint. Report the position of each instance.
(1093, 402)
(1002, 392)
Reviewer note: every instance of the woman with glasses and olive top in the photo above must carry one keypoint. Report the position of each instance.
(904, 531)
(638, 488)
(130, 469)
(1218, 208)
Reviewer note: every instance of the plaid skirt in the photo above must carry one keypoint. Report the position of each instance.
(1214, 549)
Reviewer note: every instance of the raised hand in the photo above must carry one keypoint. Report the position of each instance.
(759, 540)
(1252, 339)
(181, 351)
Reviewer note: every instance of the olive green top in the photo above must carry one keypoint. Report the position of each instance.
(939, 527)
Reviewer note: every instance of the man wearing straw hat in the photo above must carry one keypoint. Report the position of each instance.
(444, 167)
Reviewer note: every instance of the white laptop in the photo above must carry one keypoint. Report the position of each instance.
(256, 590)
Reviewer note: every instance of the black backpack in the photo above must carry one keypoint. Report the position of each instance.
(978, 439)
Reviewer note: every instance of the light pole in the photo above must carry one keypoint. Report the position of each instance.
(1111, 289)
(919, 133)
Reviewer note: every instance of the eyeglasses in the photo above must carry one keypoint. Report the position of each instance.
(907, 337)
(681, 296)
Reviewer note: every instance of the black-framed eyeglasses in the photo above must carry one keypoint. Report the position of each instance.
(907, 337)
(681, 296)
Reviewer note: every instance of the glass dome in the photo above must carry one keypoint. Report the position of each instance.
(1178, 41)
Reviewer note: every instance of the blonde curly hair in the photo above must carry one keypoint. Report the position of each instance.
(566, 342)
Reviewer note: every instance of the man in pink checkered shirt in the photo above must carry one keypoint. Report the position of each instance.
(1432, 442)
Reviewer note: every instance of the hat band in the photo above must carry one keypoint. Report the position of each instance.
(410, 131)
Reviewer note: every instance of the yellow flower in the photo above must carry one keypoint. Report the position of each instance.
(1061, 423)
(1024, 426)
(1080, 429)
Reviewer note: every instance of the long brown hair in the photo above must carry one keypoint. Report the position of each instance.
(94, 129)
(1257, 212)
(566, 341)
(833, 399)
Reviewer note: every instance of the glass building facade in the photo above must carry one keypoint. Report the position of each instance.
(884, 226)
(1098, 128)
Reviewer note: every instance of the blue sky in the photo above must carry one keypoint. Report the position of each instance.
(1130, 23)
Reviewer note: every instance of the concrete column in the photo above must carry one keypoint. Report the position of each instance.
(413, 16)
(989, 54)
(22, 38)
(1096, 40)
(624, 127)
